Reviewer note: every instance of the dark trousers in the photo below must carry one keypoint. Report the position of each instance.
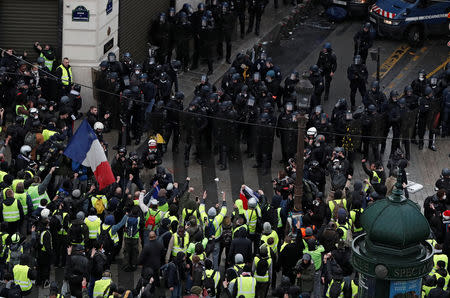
(328, 79)
(175, 129)
(44, 262)
(241, 17)
(356, 85)
(261, 289)
(225, 37)
(131, 251)
(370, 144)
(252, 15)
(60, 245)
(196, 54)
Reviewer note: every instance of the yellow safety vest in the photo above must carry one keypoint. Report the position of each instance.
(176, 245)
(341, 295)
(115, 237)
(439, 257)
(21, 277)
(135, 236)
(62, 231)
(354, 289)
(334, 203)
(102, 287)
(15, 182)
(246, 286)
(47, 62)
(239, 227)
(11, 213)
(3, 237)
(252, 218)
(447, 278)
(33, 191)
(22, 198)
(209, 273)
(41, 240)
(353, 218)
(274, 235)
(65, 75)
(25, 117)
(93, 227)
(47, 134)
(265, 277)
(345, 228)
(2, 174)
(374, 176)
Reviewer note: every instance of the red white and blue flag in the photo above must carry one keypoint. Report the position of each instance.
(250, 193)
(85, 148)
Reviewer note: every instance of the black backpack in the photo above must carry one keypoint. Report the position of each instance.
(227, 236)
(197, 273)
(209, 284)
(14, 291)
(357, 223)
(105, 239)
(76, 233)
(262, 267)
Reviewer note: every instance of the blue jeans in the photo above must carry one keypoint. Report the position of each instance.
(91, 287)
(216, 256)
(176, 291)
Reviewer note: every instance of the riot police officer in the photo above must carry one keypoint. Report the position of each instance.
(374, 96)
(206, 35)
(160, 37)
(406, 120)
(426, 113)
(327, 63)
(174, 108)
(113, 64)
(238, 8)
(444, 181)
(250, 115)
(138, 112)
(409, 118)
(126, 106)
(420, 83)
(194, 124)
(225, 22)
(363, 42)
(196, 20)
(368, 126)
(393, 116)
(286, 126)
(316, 80)
(182, 36)
(255, 10)
(357, 75)
(264, 142)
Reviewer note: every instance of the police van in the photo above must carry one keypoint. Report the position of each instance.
(354, 7)
(410, 19)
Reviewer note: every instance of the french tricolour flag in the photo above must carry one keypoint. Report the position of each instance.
(250, 193)
(85, 148)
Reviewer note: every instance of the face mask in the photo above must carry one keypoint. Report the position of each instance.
(137, 72)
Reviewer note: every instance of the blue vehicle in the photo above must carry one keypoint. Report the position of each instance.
(354, 7)
(410, 19)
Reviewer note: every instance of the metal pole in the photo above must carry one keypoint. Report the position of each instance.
(378, 64)
(299, 170)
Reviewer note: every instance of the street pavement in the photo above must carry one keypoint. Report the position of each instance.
(400, 65)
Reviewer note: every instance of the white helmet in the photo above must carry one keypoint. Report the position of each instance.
(25, 150)
(45, 213)
(311, 132)
(35, 112)
(252, 203)
(98, 126)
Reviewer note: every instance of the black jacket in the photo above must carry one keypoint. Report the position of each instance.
(241, 245)
(151, 255)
